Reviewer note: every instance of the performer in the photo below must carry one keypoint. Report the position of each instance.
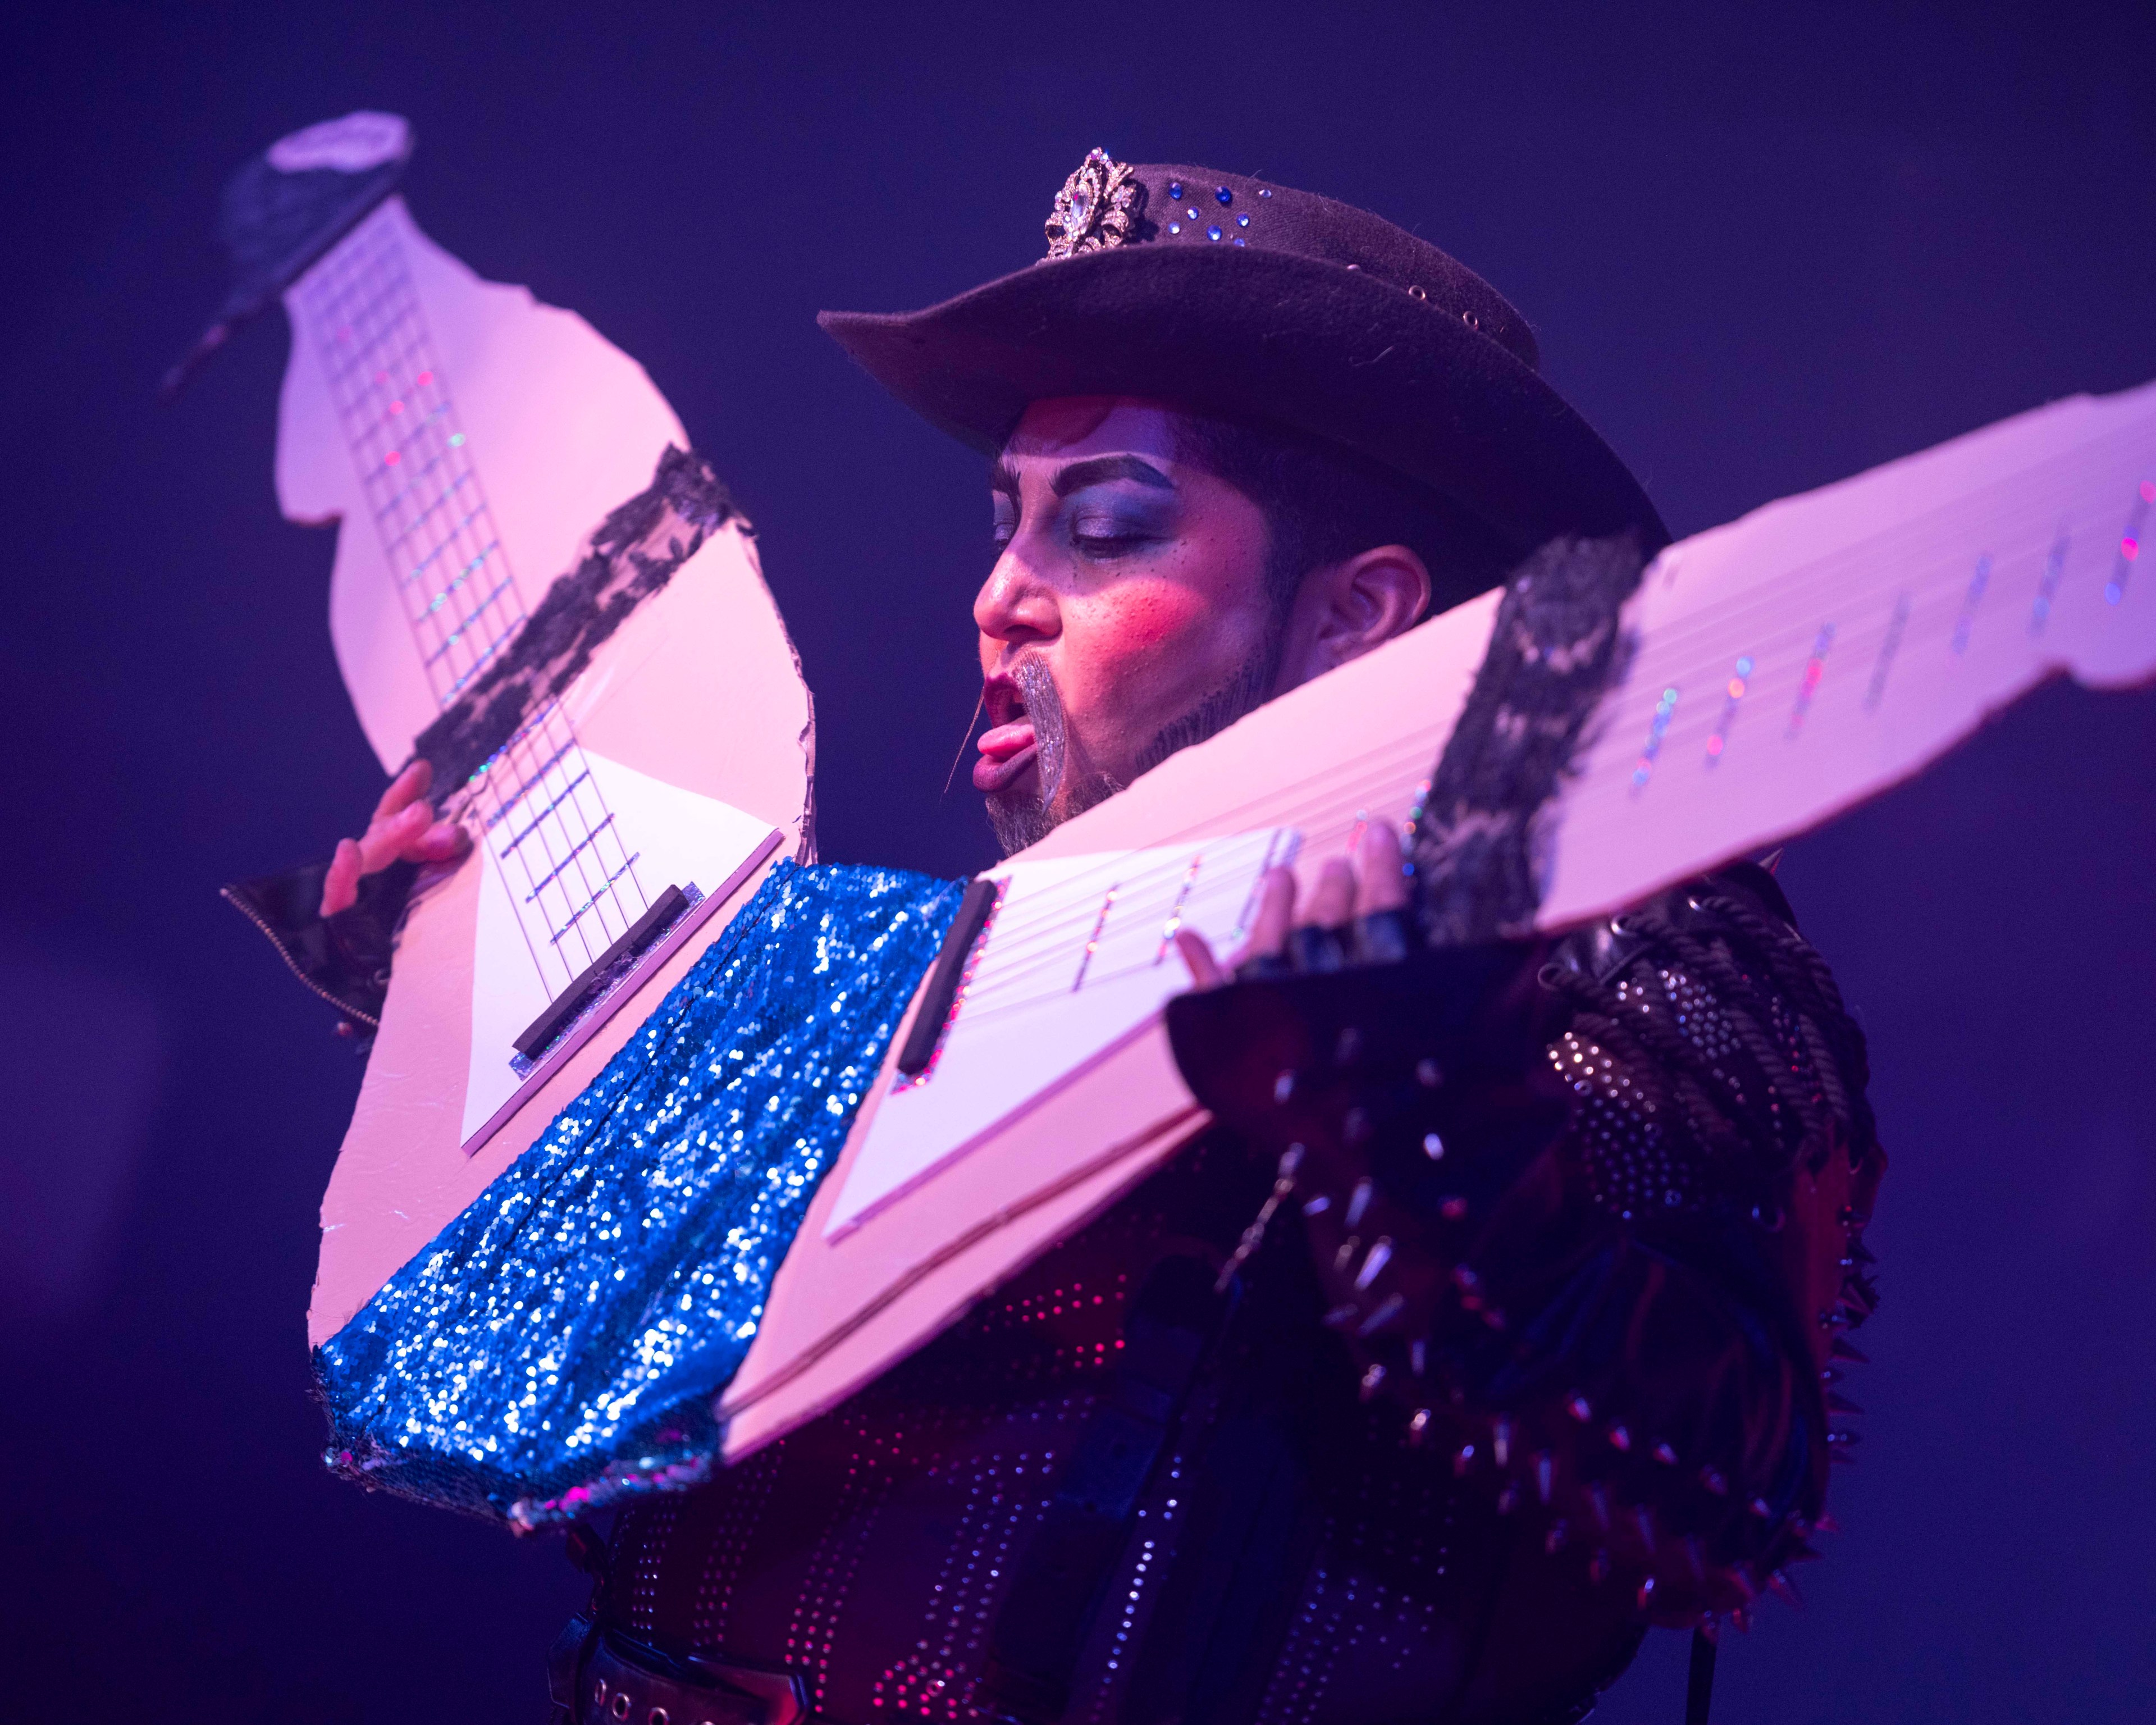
(1495, 1320)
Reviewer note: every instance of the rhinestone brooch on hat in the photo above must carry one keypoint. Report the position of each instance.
(1098, 207)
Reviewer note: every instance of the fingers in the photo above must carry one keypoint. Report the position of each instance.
(1332, 901)
(389, 840)
(1275, 910)
(411, 782)
(1380, 867)
(341, 886)
(444, 841)
(1205, 971)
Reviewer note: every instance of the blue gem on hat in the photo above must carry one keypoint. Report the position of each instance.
(1191, 214)
(1242, 221)
(1175, 188)
(1223, 196)
(1175, 226)
(1264, 191)
(1212, 233)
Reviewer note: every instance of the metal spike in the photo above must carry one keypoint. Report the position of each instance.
(1741, 1619)
(1316, 1206)
(1664, 1454)
(1771, 861)
(1418, 1423)
(1598, 1567)
(1500, 1442)
(1349, 1045)
(1712, 1480)
(1744, 1581)
(1805, 1554)
(1433, 1147)
(1453, 1209)
(1786, 1589)
(1646, 1594)
(1373, 1380)
(1553, 1541)
(1826, 1524)
(1508, 1500)
(1710, 1625)
(1840, 1405)
(1642, 1518)
(1374, 1261)
(1418, 1356)
(1580, 1409)
(1429, 1074)
(1598, 1500)
(1463, 1458)
(1355, 1125)
(1342, 1315)
(1283, 1087)
(1620, 1438)
(1763, 1509)
(1388, 1308)
(1836, 1319)
(1845, 1437)
(1842, 1348)
(1358, 1201)
(1346, 1255)
(1862, 1253)
(1545, 1465)
(1695, 1555)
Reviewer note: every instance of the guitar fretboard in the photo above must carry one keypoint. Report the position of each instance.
(569, 869)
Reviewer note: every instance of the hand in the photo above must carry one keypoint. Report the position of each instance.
(403, 829)
(1375, 882)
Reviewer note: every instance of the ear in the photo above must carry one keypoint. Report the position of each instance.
(1344, 609)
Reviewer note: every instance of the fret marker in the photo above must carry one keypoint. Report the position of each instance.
(1975, 596)
(1174, 922)
(2054, 569)
(1814, 668)
(1656, 729)
(2129, 544)
(1887, 649)
(1093, 940)
(1740, 681)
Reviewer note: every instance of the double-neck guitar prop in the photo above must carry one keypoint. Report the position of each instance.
(1775, 671)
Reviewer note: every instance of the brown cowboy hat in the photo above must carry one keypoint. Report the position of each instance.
(1241, 297)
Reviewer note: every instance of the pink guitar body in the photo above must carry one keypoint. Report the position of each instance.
(468, 439)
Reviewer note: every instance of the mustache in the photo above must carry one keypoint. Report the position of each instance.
(1051, 730)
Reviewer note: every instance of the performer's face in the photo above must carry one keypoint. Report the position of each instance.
(1135, 583)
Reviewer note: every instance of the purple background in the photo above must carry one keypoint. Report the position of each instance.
(1761, 255)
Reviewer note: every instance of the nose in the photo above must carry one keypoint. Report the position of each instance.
(1016, 606)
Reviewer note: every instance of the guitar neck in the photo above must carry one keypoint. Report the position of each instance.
(1822, 649)
(569, 869)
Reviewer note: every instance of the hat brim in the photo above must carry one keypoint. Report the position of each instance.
(1271, 336)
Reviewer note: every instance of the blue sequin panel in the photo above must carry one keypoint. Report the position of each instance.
(560, 1342)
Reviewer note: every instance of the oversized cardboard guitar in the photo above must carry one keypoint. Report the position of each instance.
(1783, 668)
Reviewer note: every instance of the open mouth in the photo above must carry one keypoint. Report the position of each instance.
(1008, 747)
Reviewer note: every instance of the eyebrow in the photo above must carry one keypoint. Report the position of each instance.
(1100, 468)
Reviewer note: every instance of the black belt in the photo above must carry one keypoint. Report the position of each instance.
(604, 1677)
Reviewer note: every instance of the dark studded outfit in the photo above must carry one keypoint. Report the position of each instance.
(1458, 1426)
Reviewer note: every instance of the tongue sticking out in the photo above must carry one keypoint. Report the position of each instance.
(1036, 735)
(1006, 751)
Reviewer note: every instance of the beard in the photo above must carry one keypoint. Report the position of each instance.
(1020, 817)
